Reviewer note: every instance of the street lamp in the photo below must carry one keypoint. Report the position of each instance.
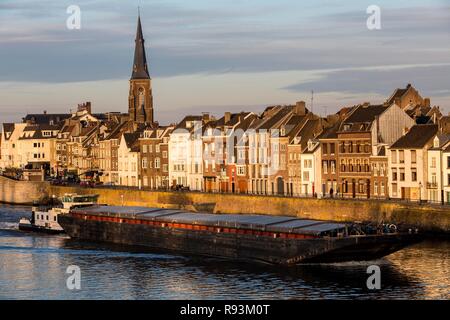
(420, 192)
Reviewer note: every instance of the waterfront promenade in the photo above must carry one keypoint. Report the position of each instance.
(428, 218)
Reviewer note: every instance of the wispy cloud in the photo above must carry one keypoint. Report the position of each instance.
(319, 44)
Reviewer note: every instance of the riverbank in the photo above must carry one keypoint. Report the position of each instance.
(34, 267)
(429, 219)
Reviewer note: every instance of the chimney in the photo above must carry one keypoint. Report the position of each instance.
(205, 116)
(45, 111)
(227, 117)
(300, 108)
(427, 102)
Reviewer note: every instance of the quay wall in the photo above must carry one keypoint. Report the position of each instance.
(435, 219)
(21, 192)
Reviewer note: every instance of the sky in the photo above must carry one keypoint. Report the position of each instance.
(221, 55)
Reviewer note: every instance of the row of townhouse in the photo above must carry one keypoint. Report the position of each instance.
(398, 149)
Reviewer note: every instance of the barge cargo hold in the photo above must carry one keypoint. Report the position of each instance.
(268, 239)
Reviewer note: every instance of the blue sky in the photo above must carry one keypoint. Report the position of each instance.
(221, 55)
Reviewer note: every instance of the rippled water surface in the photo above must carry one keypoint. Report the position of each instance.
(34, 267)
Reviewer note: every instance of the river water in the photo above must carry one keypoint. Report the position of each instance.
(34, 266)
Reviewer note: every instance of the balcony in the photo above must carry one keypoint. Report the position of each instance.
(432, 185)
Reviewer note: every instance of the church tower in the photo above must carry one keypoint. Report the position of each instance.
(140, 99)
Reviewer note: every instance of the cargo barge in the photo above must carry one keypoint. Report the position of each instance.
(267, 239)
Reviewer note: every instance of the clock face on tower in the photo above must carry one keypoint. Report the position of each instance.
(141, 90)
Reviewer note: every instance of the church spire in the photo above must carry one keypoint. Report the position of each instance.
(140, 69)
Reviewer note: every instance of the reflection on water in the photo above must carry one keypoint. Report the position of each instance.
(33, 267)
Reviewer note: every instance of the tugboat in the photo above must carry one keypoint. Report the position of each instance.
(44, 217)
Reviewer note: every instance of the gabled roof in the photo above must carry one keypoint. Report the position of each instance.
(365, 114)
(398, 93)
(45, 118)
(308, 131)
(132, 141)
(8, 127)
(183, 123)
(331, 132)
(417, 137)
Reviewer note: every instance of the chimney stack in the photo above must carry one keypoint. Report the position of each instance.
(427, 102)
(205, 116)
(227, 117)
(300, 108)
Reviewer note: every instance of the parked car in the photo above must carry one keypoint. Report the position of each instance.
(87, 184)
(58, 182)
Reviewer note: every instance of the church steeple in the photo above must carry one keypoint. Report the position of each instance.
(140, 68)
(140, 99)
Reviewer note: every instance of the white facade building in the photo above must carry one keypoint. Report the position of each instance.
(186, 154)
(408, 163)
(129, 159)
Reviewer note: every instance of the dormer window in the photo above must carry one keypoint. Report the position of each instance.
(436, 142)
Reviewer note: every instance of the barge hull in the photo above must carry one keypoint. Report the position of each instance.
(236, 246)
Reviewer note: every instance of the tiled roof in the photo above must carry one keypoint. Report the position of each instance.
(46, 118)
(365, 114)
(330, 133)
(417, 137)
(8, 127)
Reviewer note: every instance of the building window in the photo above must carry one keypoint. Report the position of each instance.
(164, 154)
(144, 148)
(413, 174)
(433, 162)
(394, 174)
(157, 148)
(325, 148)
(241, 171)
(394, 156)
(413, 156)
(394, 189)
(401, 156)
(306, 176)
(332, 148)
(402, 174)
(165, 167)
(325, 166)
(367, 148)
(157, 163)
(144, 163)
(448, 162)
